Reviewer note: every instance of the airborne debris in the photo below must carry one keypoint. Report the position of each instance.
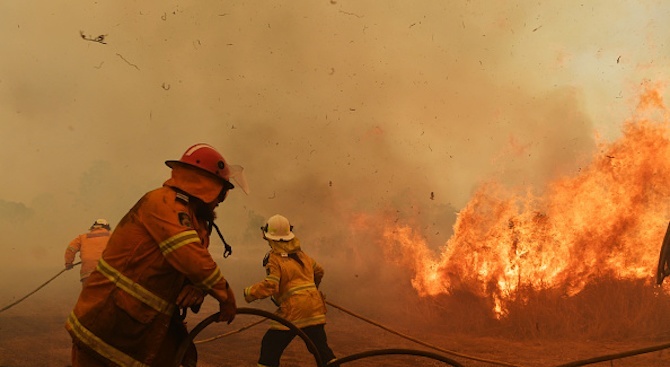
(348, 13)
(127, 62)
(98, 39)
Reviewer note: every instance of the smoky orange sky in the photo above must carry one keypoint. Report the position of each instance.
(331, 106)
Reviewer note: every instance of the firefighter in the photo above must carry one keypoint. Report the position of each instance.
(157, 265)
(89, 246)
(292, 281)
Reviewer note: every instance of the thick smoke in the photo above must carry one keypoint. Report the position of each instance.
(334, 108)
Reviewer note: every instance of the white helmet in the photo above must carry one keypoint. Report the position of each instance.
(278, 228)
(100, 223)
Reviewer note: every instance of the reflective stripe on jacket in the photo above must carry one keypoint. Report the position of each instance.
(292, 285)
(90, 247)
(126, 310)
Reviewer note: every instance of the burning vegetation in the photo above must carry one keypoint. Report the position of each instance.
(579, 258)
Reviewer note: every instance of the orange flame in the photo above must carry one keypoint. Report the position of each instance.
(606, 221)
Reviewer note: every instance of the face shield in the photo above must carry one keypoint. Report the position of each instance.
(237, 175)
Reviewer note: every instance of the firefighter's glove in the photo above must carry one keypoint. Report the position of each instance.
(190, 296)
(68, 266)
(247, 295)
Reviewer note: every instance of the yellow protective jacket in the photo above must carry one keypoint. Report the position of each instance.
(89, 246)
(291, 285)
(126, 312)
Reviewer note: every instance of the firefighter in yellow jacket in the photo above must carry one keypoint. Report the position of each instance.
(156, 263)
(292, 280)
(89, 246)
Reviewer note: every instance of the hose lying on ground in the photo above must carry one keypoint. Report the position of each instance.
(611, 357)
(181, 352)
(212, 318)
(183, 347)
(38, 288)
(371, 353)
(419, 341)
(394, 351)
(579, 363)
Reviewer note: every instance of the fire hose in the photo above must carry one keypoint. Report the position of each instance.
(342, 360)
(181, 352)
(311, 347)
(417, 340)
(611, 357)
(373, 353)
(37, 289)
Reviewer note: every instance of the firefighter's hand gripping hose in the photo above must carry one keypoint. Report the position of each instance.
(38, 288)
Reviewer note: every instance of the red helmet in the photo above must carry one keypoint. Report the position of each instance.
(205, 157)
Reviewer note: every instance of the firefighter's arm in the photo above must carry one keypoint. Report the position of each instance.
(199, 267)
(186, 253)
(71, 252)
(265, 288)
(195, 262)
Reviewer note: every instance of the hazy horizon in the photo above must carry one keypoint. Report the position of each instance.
(333, 108)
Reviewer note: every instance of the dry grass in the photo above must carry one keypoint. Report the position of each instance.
(607, 309)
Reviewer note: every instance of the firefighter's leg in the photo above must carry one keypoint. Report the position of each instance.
(176, 335)
(317, 333)
(273, 345)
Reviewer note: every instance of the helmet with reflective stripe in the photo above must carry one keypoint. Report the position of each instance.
(206, 158)
(278, 228)
(100, 223)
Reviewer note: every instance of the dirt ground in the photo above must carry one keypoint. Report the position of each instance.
(32, 335)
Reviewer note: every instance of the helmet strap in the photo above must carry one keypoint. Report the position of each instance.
(223, 193)
(203, 212)
(228, 249)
